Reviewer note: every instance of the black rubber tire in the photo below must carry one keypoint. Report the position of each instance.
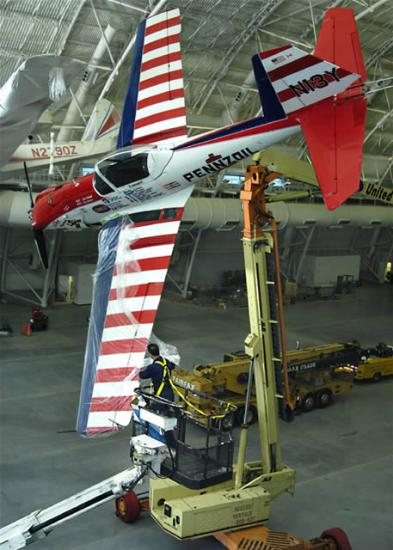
(308, 402)
(324, 398)
(377, 377)
(252, 415)
(128, 507)
(339, 536)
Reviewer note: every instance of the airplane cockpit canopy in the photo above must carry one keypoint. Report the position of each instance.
(120, 170)
(127, 166)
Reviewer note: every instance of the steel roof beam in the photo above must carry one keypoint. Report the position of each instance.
(250, 29)
(125, 53)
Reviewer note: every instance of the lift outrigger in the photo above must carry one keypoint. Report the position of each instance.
(199, 491)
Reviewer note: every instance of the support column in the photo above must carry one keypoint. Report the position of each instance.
(191, 263)
(4, 258)
(49, 280)
(304, 253)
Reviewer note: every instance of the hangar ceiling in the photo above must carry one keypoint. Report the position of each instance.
(218, 39)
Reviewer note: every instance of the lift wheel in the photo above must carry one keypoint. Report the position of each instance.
(128, 507)
(339, 537)
(262, 538)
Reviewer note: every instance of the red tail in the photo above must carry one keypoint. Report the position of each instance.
(339, 43)
(334, 128)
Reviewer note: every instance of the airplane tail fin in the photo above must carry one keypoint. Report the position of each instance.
(103, 121)
(324, 93)
(154, 109)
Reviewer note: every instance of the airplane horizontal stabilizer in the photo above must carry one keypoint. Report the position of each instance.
(323, 92)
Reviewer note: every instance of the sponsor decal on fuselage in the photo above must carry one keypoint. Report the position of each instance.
(142, 193)
(215, 163)
(80, 201)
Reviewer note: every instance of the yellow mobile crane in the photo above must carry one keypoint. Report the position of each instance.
(316, 375)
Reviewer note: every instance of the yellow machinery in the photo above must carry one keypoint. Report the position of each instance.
(304, 172)
(315, 376)
(376, 364)
(241, 501)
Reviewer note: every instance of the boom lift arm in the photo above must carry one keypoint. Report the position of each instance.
(146, 454)
(40, 523)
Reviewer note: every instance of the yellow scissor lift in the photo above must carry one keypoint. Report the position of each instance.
(233, 511)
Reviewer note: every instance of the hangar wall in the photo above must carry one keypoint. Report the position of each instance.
(218, 251)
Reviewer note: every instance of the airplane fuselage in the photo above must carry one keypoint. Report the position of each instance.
(133, 180)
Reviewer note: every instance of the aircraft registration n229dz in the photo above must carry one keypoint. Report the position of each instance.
(153, 172)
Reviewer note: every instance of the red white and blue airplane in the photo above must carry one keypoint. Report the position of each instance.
(151, 175)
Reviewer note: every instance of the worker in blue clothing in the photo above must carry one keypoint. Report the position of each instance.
(159, 371)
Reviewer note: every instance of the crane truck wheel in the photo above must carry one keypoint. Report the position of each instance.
(339, 537)
(128, 507)
(251, 416)
(308, 402)
(377, 377)
(324, 398)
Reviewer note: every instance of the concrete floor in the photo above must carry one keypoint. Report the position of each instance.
(343, 455)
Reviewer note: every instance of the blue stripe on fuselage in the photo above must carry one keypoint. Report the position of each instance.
(126, 132)
(225, 132)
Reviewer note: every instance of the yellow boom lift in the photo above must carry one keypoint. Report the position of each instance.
(242, 501)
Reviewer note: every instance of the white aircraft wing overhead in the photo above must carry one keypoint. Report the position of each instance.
(30, 90)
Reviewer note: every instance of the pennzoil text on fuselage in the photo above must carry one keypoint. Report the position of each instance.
(217, 163)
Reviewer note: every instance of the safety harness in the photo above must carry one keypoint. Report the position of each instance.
(165, 375)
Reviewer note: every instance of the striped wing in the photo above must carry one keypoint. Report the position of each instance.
(131, 270)
(154, 110)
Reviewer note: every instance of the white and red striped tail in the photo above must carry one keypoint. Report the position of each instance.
(127, 293)
(155, 110)
(300, 79)
(103, 121)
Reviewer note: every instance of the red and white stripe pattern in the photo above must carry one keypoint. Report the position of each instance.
(288, 66)
(160, 110)
(103, 120)
(143, 255)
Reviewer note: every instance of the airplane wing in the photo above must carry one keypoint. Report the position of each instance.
(131, 270)
(135, 252)
(99, 138)
(30, 90)
(154, 108)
